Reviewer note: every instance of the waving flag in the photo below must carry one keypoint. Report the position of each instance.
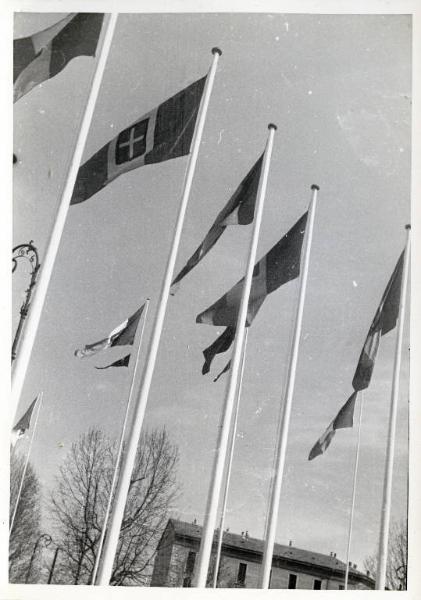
(280, 265)
(224, 370)
(23, 424)
(121, 362)
(164, 133)
(383, 322)
(221, 344)
(43, 55)
(238, 211)
(122, 335)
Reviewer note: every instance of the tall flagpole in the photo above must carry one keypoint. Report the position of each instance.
(354, 489)
(283, 432)
(230, 458)
(224, 428)
(12, 520)
(387, 486)
(121, 443)
(122, 490)
(28, 337)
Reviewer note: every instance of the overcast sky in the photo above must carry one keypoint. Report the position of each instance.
(339, 90)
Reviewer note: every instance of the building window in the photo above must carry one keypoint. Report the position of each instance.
(191, 559)
(292, 581)
(341, 587)
(317, 584)
(187, 582)
(241, 577)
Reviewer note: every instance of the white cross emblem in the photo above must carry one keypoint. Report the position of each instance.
(131, 142)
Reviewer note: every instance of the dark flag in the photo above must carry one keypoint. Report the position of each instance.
(43, 55)
(280, 265)
(121, 362)
(164, 133)
(238, 211)
(122, 335)
(224, 370)
(384, 321)
(221, 344)
(23, 424)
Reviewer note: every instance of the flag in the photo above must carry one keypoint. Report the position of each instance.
(238, 211)
(121, 362)
(221, 344)
(224, 370)
(384, 321)
(344, 418)
(23, 424)
(43, 55)
(280, 265)
(165, 132)
(122, 335)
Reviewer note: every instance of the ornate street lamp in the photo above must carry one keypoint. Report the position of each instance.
(29, 253)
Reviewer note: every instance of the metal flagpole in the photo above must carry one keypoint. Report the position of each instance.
(28, 335)
(230, 458)
(387, 486)
(12, 520)
(224, 427)
(128, 460)
(121, 443)
(354, 489)
(283, 437)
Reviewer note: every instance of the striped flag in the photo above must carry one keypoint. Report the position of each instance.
(122, 335)
(238, 211)
(165, 132)
(23, 424)
(43, 55)
(384, 321)
(280, 265)
(121, 362)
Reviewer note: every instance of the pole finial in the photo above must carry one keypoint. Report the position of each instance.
(272, 126)
(315, 187)
(217, 50)
(408, 226)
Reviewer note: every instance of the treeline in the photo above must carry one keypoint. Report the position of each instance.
(56, 533)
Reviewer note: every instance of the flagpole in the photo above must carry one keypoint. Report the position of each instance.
(128, 460)
(40, 396)
(231, 455)
(387, 486)
(120, 445)
(354, 488)
(283, 437)
(223, 434)
(28, 336)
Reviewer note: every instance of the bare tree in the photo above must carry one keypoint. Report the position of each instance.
(397, 559)
(79, 501)
(24, 553)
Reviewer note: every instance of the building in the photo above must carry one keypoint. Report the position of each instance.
(240, 563)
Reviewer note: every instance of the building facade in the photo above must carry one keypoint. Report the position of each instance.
(241, 556)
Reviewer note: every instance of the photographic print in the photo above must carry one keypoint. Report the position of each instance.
(211, 299)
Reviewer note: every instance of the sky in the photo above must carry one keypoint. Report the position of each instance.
(339, 89)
